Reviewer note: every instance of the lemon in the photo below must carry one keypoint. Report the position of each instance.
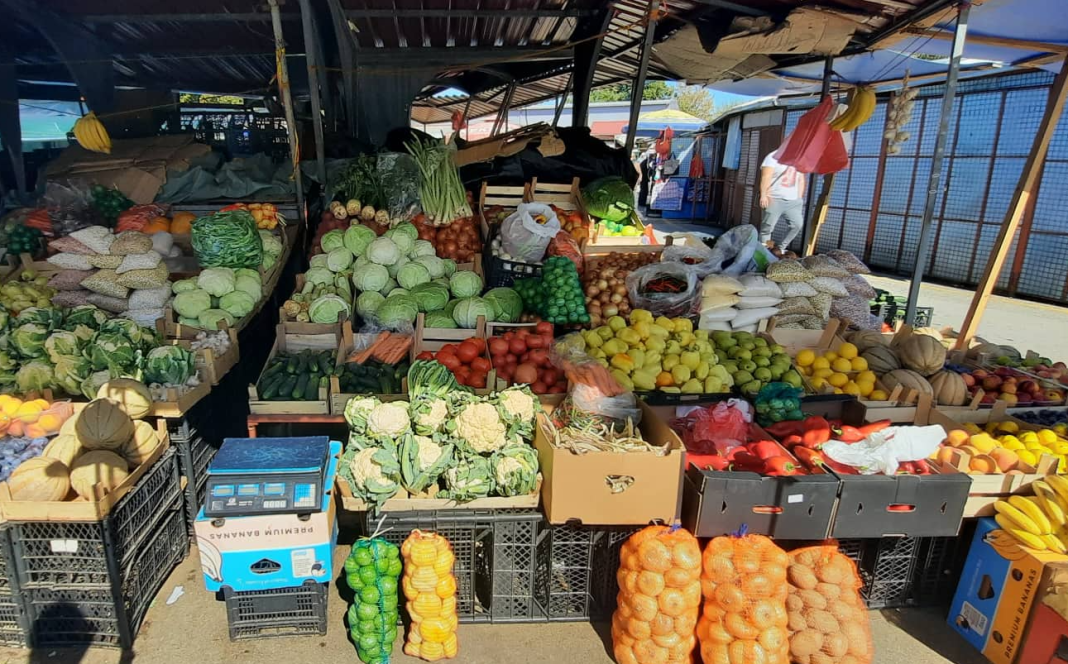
(823, 373)
(1028, 457)
(1007, 427)
(1005, 440)
(866, 377)
(865, 388)
(821, 363)
(847, 350)
(1047, 436)
(838, 379)
(842, 365)
(1028, 437)
(1035, 447)
(1013, 445)
(805, 358)
(878, 395)
(830, 356)
(818, 383)
(838, 390)
(851, 388)
(859, 364)
(1060, 447)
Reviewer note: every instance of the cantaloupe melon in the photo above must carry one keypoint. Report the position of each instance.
(949, 388)
(923, 354)
(97, 467)
(39, 479)
(103, 426)
(65, 448)
(132, 396)
(141, 445)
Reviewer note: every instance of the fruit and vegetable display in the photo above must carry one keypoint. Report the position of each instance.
(217, 296)
(378, 366)
(915, 362)
(25, 427)
(604, 283)
(265, 215)
(659, 597)
(28, 290)
(1003, 447)
(109, 203)
(573, 223)
(444, 442)
(841, 370)
(1014, 387)
(93, 454)
(430, 590)
(524, 357)
(817, 288)
(1040, 521)
(458, 240)
(1053, 418)
(373, 571)
(296, 375)
(556, 295)
(466, 360)
(227, 239)
(826, 615)
(441, 193)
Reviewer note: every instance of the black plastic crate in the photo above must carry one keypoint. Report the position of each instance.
(606, 563)
(892, 312)
(58, 554)
(938, 570)
(296, 611)
(470, 532)
(500, 272)
(576, 571)
(13, 623)
(510, 569)
(195, 453)
(109, 615)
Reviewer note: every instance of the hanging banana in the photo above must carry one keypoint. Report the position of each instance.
(861, 106)
(91, 134)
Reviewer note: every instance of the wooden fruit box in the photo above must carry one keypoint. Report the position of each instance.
(177, 405)
(293, 342)
(81, 510)
(449, 334)
(406, 502)
(601, 243)
(795, 341)
(292, 326)
(434, 345)
(214, 366)
(339, 399)
(489, 196)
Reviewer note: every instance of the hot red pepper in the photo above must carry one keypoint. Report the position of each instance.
(791, 441)
(869, 429)
(786, 429)
(745, 461)
(765, 449)
(780, 465)
(811, 459)
(817, 432)
(848, 434)
(838, 467)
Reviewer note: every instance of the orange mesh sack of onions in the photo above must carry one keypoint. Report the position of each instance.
(743, 620)
(659, 597)
(828, 621)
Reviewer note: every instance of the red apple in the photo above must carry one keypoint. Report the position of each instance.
(988, 398)
(1024, 398)
(1060, 365)
(1004, 372)
(1044, 374)
(969, 379)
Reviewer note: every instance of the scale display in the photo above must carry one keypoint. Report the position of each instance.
(251, 476)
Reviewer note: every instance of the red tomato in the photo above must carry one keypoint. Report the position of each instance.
(451, 362)
(467, 352)
(525, 357)
(425, 355)
(480, 344)
(522, 332)
(549, 377)
(498, 346)
(448, 348)
(536, 341)
(539, 388)
(508, 335)
(476, 379)
(558, 389)
(544, 327)
(526, 373)
(505, 372)
(517, 346)
(540, 356)
(480, 364)
(463, 374)
(511, 359)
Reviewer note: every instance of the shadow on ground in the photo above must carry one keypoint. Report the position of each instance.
(929, 628)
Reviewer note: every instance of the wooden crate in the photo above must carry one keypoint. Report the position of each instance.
(293, 342)
(565, 196)
(795, 341)
(81, 510)
(214, 366)
(339, 399)
(177, 405)
(508, 198)
(449, 334)
(405, 502)
(293, 326)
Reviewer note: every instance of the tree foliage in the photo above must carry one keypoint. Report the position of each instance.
(697, 101)
(621, 92)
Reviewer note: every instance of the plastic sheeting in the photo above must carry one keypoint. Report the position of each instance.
(210, 179)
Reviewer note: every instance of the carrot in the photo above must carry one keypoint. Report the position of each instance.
(369, 351)
(397, 352)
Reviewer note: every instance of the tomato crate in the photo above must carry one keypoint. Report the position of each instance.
(258, 614)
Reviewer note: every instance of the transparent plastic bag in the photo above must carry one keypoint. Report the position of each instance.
(402, 174)
(523, 237)
(641, 285)
(734, 250)
(700, 258)
(67, 202)
(585, 405)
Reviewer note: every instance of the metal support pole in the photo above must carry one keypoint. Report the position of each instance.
(563, 100)
(638, 88)
(311, 55)
(287, 103)
(502, 116)
(935, 181)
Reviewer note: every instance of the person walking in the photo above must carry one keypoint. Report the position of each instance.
(782, 194)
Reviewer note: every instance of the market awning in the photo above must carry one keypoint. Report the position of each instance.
(657, 121)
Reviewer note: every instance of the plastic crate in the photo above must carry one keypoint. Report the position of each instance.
(510, 569)
(262, 614)
(55, 554)
(470, 532)
(893, 312)
(938, 570)
(576, 571)
(109, 615)
(13, 624)
(605, 582)
(194, 456)
(888, 569)
(499, 272)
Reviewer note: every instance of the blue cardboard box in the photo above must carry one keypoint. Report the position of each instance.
(270, 551)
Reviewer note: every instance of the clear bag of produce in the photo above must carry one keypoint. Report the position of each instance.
(716, 428)
(700, 258)
(586, 406)
(67, 202)
(664, 289)
(526, 233)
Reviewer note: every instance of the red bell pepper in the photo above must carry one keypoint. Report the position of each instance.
(765, 449)
(735, 451)
(811, 459)
(744, 461)
(817, 432)
(848, 434)
(922, 467)
(786, 428)
(838, 467)
(716, 462)
(780, 465)
(791, 441)
(906, 468)
(872, 427)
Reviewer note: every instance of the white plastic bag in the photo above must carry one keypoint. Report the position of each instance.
(718, 316)
(747, 317)
(525, 239)
(756, 285)
(884, 450)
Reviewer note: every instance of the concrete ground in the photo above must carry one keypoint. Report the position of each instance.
(194, 629)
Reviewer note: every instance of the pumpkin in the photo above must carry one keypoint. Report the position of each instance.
(924, 355)
(97, 467)
(157, 225)
(908, 380)
(141, 445)
(40, 479)
(881, 359)
(659, 598)
(949, 388)
(132, 396)
(865, 339)
(67, 429)
(103, 426)
(430, 589)
(64, 447)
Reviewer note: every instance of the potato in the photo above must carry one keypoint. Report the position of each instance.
(836, 645)
(801, 577)
(822, 621)
(796, 621)
(808, 557)
(812, 599)
(829, 590)
(843, 611)
(859, 637)
(805, 643)
(834, 571)
(822, 658)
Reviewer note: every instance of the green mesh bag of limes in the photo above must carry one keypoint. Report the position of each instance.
(372, 570)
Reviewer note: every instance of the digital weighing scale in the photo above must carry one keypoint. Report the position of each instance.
(251, 476)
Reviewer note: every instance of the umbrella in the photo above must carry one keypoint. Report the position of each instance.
(654, 122)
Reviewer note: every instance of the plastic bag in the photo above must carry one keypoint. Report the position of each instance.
(402, 173)
(825, 612)
(715, 428)
(699, 257)
(718, 283)
(67, 202)
(680, 296)
(733, 251)
(883, 451)
(747, 317)
(564, 245)
(755, 285)
(813, 147)
(585, 405)
(776, 402)
(523, 237)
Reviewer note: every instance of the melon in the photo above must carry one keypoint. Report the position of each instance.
(64, 447)
(132, 396)
(865, 339)
(97, 467)
(949, 388)
(908, 380)
(68, 426)
(881, 359)
(924, 355)
(102, 425)
(141, 445)
(39, 479)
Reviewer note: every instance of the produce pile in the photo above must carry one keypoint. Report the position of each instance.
(611, 201)
(557, 295)
(93, 453)
(1014, 387)
(379, 367)
(604, 283)
(1039, 521)
(1003, 447)
(573, 223)
(466, 361)
(805, 440)
(458, 241)
(441, 193)
(445, 441)
(824, 286)
(524, 357)
(24, 240)
(109, 203)
(265, 215)
(840, 369)
(373, 571)
(296, 375)
(217, 295)
(29, 290)
(25, 427)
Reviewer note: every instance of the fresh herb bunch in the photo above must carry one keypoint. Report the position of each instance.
(360, 181)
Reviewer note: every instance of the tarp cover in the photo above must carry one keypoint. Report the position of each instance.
(211, 179)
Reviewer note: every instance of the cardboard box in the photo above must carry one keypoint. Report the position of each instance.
(587, 488)
(270, 551)
(1046, 639)
(999, 585)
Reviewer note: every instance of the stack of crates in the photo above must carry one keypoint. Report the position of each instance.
(194, 454)
(92, 582)
(14, 628)
(900, 572)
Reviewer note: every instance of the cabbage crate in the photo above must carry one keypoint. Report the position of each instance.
(294, 343)
(293, 326)
(92, 582)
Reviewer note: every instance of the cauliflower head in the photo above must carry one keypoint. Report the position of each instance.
(364, 470)
(515, 470)
(389, 421)
(429, 415)
(423, 460)
(479, 425)
(428, 451)
(373, 474)
(518, 403)
(506, 467)
(470, 478)
(357, 410)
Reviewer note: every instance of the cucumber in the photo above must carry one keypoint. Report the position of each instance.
(311, 391)
(292, 364)
(326, 366)
(298, 389)
(286, 388)
(268, 388)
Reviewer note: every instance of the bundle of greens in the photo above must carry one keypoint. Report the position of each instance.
(442, 193)
(227, 239)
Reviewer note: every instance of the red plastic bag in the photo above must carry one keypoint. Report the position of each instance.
(813, 147)
(714, 429)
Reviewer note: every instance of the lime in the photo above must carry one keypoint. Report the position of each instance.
(389, 603)
(355, 582)
(368, 641)
(368, 575)
(388, 587)
(382, 565)
(365, 627)
(363, 556)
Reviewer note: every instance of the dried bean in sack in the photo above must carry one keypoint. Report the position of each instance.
(744, 620)
(788, 270)
(824, 266)
(849, 261)
(659, 597)
(856, 285)
(826, 616)
(373, 571)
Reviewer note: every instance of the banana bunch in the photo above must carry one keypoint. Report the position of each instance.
(91, 134)
(861, 104)
(1040, 521)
